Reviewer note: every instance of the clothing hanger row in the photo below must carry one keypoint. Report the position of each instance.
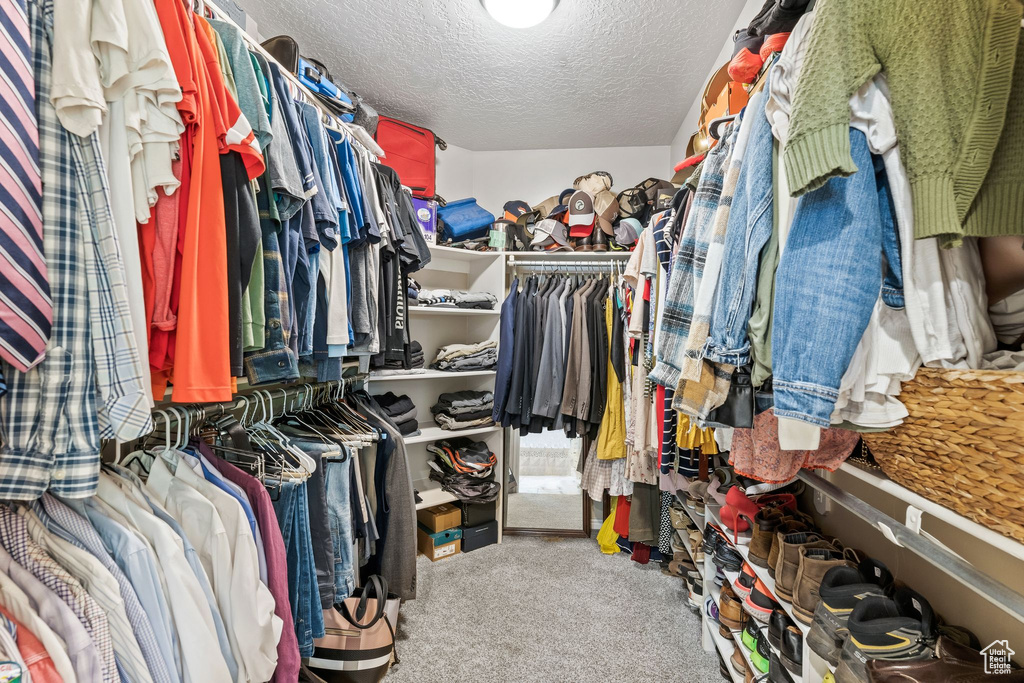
(356, 135)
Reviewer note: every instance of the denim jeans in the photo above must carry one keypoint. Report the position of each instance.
(292, 510)
(319, 519)
(339, 513)
(842, 252)
(750, 227)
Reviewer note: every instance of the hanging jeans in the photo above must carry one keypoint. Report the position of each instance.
(339, 514)
(319, 518)
(292, 508)
(842, 252)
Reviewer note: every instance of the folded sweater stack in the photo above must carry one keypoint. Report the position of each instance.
(463, 410)
(467, 357)
(454, 298)
(401, 411)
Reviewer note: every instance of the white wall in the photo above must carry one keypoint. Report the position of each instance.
(533, 175)
(677, 151)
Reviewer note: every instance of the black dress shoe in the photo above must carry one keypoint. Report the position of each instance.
(792, 650)
(600, 239)
(587, 243)
(777, 624)
(776, 672)
(727, 558)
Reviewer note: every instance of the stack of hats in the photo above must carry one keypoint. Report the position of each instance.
(467, 357)
(402, 412)
(585, 217)
(463, 410)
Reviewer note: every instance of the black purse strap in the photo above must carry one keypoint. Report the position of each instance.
(380, 590)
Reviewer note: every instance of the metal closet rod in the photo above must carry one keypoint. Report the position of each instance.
(997, 593)
(555, 265)
(174, 412)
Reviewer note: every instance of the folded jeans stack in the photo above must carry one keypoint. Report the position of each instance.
(402, 412)
(467, 357)
(463, 410)
(454, 298)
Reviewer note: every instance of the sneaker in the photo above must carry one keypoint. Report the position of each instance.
(712, 537)
(841, 589)
(745, 581)
(955, 661)
(760, 603)
(749, 635)
(711, 609)
(900, 629)
(762, 651)
(696, 590)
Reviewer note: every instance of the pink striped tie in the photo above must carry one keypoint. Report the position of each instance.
(26, 311)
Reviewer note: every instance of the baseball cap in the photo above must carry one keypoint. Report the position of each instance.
(559, 213)
(627, 232)
(606, 206)
(515, 209)
(563, 197)
(581, 214)
(550, 234)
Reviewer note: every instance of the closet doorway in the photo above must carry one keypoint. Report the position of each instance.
(542, 486)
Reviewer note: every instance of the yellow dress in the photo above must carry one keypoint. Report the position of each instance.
(691, 437)
(611, 439)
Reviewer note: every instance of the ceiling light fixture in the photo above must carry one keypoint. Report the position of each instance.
(519, 13)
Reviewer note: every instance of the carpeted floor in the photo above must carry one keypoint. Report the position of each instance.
(545, 511)
(534, 609)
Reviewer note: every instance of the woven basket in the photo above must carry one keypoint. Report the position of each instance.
(962, 445)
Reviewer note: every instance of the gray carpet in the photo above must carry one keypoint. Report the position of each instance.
(536, 609)
(545, 511)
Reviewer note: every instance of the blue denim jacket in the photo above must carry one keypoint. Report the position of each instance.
(841, 254)
(750, 227)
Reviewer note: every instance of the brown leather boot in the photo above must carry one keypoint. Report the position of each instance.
(789, 560)
(813, 563)
(766, 522)
(730, 609)
(787, 527)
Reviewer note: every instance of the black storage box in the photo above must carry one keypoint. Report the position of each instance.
(475, 514)
(476, 537)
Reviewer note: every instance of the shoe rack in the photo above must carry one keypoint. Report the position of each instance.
(904, 535)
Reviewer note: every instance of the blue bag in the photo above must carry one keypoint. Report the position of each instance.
(464, 219)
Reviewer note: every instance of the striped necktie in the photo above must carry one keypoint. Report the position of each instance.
(26, 311)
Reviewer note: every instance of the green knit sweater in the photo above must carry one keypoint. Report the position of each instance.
(959, 109)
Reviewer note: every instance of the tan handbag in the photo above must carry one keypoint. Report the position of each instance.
(359, 641)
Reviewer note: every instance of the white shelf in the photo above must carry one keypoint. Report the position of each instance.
(431, 432)
(568, 255)
(469, 255)
(438, 310)
(761, 573)
(724, 646)
(429, 374)
(432, 495)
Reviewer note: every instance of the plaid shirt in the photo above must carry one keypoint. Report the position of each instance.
(677, 313)
(65, 523)
(48, 423)
(124, 410)
(30, 555)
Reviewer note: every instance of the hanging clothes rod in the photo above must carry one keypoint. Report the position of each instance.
(997, 593)
(357, 134)
(562, 265)
(252, 400)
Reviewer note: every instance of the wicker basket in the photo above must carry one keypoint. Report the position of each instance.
(962, 445)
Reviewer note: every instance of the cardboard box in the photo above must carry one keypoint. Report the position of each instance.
(476, 537)
(442, 537)
(426, 216)
(475, 514)
(435, 552)
(440, 517)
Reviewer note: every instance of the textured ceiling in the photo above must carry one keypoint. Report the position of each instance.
(596, 73)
